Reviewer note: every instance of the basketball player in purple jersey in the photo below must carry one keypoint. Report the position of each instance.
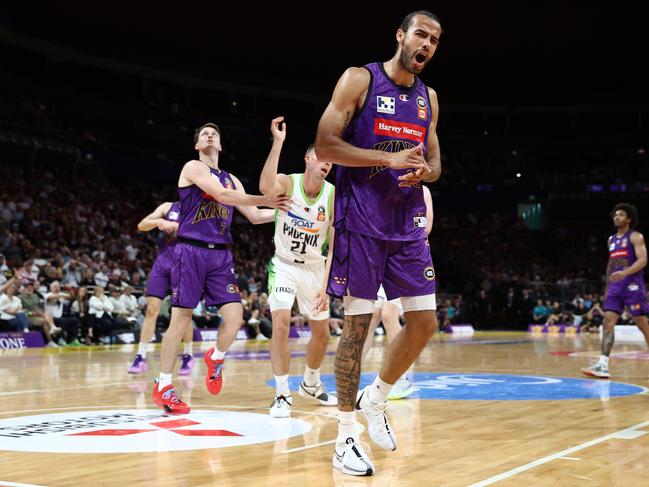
(165, 218)
(203, 262)
(627, 258)
(380, 128)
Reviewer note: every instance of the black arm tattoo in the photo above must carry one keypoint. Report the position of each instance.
(347, 365)
(348, 119)
(607, 342)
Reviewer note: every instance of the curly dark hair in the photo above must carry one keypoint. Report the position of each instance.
(631, 213)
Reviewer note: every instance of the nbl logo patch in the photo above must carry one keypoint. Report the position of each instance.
(321, 213)
(233, 288)
(385, 104)
(429, 273)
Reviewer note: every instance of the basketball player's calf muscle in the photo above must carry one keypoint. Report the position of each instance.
(607, 342)
(347, 365)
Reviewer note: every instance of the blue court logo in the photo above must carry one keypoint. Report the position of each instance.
(498, 387)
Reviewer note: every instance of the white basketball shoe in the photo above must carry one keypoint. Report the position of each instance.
(350, 458)
(377, 422)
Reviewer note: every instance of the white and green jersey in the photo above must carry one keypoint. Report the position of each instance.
(301, 234)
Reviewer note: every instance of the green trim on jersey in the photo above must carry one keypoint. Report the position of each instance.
(309, 201)
(271, 276)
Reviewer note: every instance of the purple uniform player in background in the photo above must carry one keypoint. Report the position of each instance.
(380, 128)
(627, 258)
(203, 265)
(165, 218)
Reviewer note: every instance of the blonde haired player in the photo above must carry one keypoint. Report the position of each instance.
(297, 270)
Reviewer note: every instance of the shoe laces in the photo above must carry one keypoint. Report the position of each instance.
(217, 371)
(282, 401)
(171, 396)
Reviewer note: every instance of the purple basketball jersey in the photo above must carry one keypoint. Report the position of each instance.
(172, 215)
(201, 216)
(621, 256)
(159, 282)
(368, 199)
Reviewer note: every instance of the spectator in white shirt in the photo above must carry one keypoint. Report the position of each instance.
(11, 308)
(54, 302)
(100, 310)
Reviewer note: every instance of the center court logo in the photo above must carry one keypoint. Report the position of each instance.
(137, 430)
(499, 387)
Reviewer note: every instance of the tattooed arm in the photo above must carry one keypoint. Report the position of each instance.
(347, 365)
(348, 97)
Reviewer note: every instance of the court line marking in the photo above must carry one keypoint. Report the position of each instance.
(4, 483)
(308, 447)
(582, 477)
(570, 458)
(87, 386)
(554, 456)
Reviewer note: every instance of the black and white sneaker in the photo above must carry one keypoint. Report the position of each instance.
(317, 393)
(350, 458)
(281, 407)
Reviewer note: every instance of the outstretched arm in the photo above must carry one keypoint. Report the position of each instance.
(330, 145)
(154, 219)
(253, 214)
(196, 172)
(270, 182)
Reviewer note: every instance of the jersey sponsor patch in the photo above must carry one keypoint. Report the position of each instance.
(429, 273)
(618, 254)
(403, 97)
(385, 104)
(403, 130)
(284, 289)
(633, 287)
(419, 221)
(173, 216)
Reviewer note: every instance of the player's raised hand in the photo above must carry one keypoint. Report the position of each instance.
(280, 202)
(278, 129)
(321, 302)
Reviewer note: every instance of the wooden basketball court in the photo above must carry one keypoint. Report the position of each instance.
(495, 408)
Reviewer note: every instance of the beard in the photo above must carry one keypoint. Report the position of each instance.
(406, 59)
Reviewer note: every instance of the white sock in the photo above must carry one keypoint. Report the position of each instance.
(141, 349)
(346, 421)
(281, 385)
(311, 376)
(379, 391)
(603, 360)
(217, 354)
(188, 348)
(163, 381)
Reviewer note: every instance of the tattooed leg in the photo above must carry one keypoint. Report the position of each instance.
(607, 342)
(347, 366)
(608, 336)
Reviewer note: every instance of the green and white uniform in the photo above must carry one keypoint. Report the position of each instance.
(301, 239)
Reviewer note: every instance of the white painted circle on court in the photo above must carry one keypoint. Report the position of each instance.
(142, 430)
